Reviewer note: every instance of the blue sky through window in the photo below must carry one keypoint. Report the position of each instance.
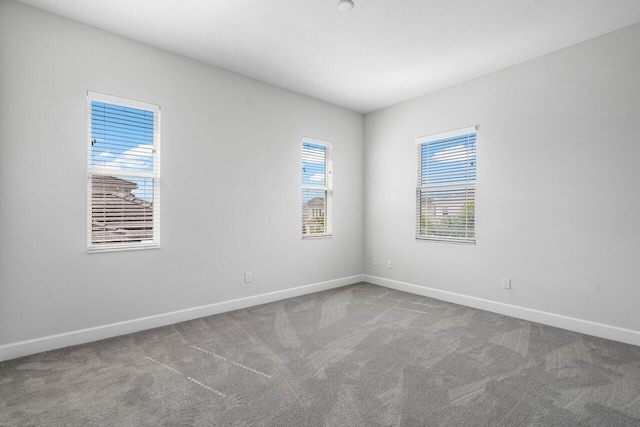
(449, 160)
(313, 169)
(122, 141)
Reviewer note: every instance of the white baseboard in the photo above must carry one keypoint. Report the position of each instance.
(601, 330)
(38, 345)
(25, 348)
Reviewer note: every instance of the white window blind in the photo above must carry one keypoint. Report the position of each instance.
(123, 173)
(446, 186)
(317, 188)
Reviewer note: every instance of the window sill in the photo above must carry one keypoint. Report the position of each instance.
(445, 240)
(120, 248)
(317, 236)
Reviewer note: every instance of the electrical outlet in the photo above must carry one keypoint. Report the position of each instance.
(247, 277)
(506, 283)
(374, 261)
(389, 263)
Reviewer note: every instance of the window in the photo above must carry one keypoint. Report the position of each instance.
(447, 186)
(317, 188)
(123, 173)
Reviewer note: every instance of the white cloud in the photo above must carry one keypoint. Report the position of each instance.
(454, 154)
(106, 154)
(138, 159)
(317, 177)
(313, 155)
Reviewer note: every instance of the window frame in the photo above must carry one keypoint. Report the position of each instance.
(154, 175)
(327, 188)
(468, 185)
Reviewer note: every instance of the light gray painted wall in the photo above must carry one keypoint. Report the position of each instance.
(230, 182)
(557, 192)
(558, 155)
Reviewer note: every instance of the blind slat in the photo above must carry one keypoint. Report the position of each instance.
(124, 193)
(445, 189)
(317, 188)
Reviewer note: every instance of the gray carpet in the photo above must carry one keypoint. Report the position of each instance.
(361, 355)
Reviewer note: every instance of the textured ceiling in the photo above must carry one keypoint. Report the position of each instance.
(380, 53)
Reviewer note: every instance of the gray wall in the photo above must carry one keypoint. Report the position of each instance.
(557, 191)
(557, 205)
(230, 182)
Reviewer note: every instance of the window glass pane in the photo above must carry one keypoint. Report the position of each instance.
(314, 164)
(118, 215)
(446, 188)
(317, 191)
(121, 138)
(314, 208)
(123, 174)
(449, 160)
(447, 212)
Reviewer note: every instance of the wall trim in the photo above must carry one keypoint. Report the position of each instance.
(601, 330)
(83, 336)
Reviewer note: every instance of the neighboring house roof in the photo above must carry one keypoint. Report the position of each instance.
(116, 214)
(313, 223)
(454, 202)
(316, 202)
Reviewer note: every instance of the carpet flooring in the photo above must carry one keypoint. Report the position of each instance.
(360, 355)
